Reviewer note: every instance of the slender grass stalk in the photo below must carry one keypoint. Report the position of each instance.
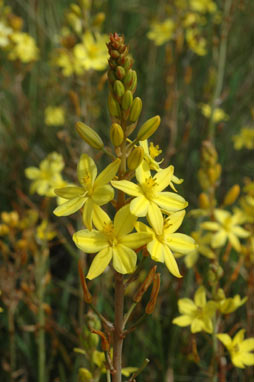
(12, 345)
(221, 67)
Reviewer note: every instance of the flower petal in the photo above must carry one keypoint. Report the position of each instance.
(100, 263)
(32, 172)
(155, 218)
(86, 168)
(90, 241)
(181, 243)
(186, 306)
(170, 201)
(107, 174)
(103, 194)
(173, 222)
(247, 345)
(124, 259)
(221, 215)
(139, 206)
(136, 240)
(69, 207)
(163, 178)
(88, 214)
(171, 263)
(197, 325)
(234, 242)
(240, 232)
(182, 320)
(100, 217)
(219, 239)
(69, 192)
(200, 297)
(124, 221)
(225, 339)
(156, 250)
(127, 186)
(143, 173)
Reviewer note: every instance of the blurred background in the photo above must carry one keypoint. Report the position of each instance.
(195, 63)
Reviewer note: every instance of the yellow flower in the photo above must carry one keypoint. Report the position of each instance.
(47, 176)
(244, 139)
(68, 63)
(202, 247)
(5, 32)
(165, 240)
(112, 240)
(54, 116)
(161, 32)
(150, 154)
(198, 313)
(196, 42)
(92, 52)
(227, 227)
(203, 6)
(24, 48)
(148, 195)
(240, 350)
(229, 305)
(94, 190)
(44, 231)
(218, 114)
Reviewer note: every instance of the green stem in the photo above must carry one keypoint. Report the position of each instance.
(221, 67)
(11, 327)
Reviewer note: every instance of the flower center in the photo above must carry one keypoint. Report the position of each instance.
(87, 183)
(108, 229)
(148, 187)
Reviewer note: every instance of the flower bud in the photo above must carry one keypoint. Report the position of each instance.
(89, 136)
(104, 341)
(155, 291)
(136, 108)
(99, 19)
(113, 106)
(204, 202)
(116, 134)
(133, 84)
(135, 158)
(111, 76)
(84, 375)
(232, 195)
(127, 100)
(4, 229)
(128, 79)
(145, 285)
(119, 89)
(148, 128)
(120, 72)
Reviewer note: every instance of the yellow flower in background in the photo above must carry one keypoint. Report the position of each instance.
(229, 305)
(196, 41)
(68, 63)
(48, 176)
(241, 351)
(94, 190)
(165, 240)
(161, 32)
(44, 231)
(245, 139)
(112, 240)
(54, 116)
(5, 33)
(203, 6)
(227, 228)
(23, 47)
(198, 313)
(148, 195)
(218, 114)
(92, 52)
(202, 247)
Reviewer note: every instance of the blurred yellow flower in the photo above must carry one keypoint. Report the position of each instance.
(198, 313)
(48, 176)
(245, 139)
(5, 32)
(23, 47)
(218, 114)
(54, 116)
(203, 6)
(92, 52)
(165, 240)
(226, 227)
(240, 350)
(44, 231)
(196, 42)
(161, 32)
(229, 305)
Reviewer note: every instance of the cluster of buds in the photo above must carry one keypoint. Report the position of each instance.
(124, 108)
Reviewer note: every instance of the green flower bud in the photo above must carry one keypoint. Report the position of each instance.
(114, 53)
(127, 100)
(135, 158)
(148, 128)
(127, 62)
(116, 134)
(111, 76)
(128, 79)
(113, 106)
(232, 195)
(89, 135)
(120, 72)
(136, 108)
(119, 89)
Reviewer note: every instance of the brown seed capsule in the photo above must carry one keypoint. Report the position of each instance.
(145, 285)
(155, 291)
